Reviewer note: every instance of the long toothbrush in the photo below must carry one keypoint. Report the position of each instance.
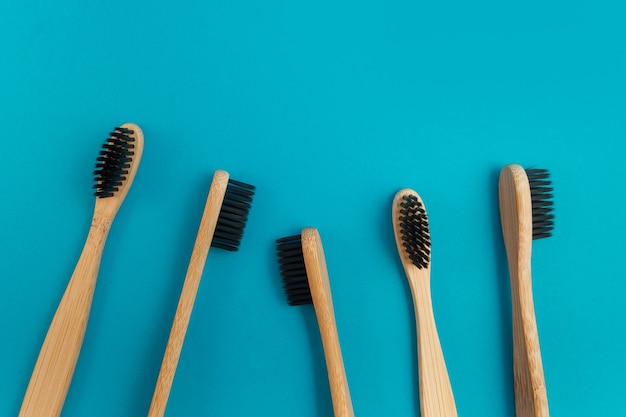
(115, 170)
(223, 220)
(412, 233)
(305, 280)
(526, 213)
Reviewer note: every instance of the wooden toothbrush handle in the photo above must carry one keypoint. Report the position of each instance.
(340, 392)
(319, 285)
(436, 397)
(57, 359)
(188, 294)
(174, 345)
(531, 398)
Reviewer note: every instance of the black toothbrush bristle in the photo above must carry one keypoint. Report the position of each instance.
(233, 215)
(293, 270)
(542, 203)
(415, 231)
(114, 162)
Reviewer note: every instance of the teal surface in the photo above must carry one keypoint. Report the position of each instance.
(328, 108)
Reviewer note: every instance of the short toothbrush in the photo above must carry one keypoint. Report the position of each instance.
(412, 233)
(222, 224)
(115, 170)
(526, 213)
(305, 280)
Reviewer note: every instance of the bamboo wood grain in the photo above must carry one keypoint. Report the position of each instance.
(319, 283)
(436, 397)
(531, 398)
(188, 294)
(51, 377)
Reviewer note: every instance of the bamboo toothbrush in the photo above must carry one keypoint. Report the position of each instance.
(223, 220)
(50, 380)
(526, 214)
(410, 226)
(305, 279)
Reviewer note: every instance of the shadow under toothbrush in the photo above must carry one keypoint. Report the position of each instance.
(324, 403)
(504, 293)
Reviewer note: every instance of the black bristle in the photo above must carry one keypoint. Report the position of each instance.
(293, 270)
(542, 203)
(415, 231)
(113, 163)
(233, 215)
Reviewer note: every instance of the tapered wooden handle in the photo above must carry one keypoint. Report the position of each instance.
(436, 397)
(188, 294)
(319, 284)
(531, 399)
(524, 404)
(340, 393)
(57, 359)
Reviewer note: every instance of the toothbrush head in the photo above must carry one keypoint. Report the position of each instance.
(542, 202)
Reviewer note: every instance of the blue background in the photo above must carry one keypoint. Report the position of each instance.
(328, 108)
